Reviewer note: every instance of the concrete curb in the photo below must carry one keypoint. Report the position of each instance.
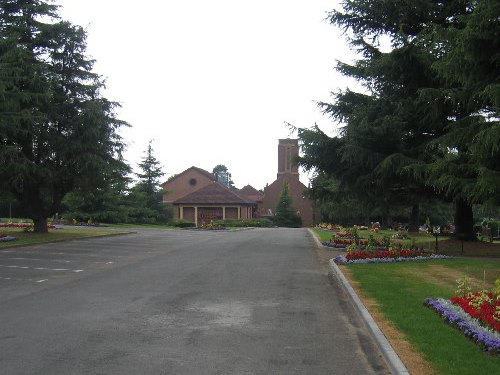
(390, 355)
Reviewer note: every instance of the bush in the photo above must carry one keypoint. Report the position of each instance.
(183, 224)
(245, 223)
(493, 225)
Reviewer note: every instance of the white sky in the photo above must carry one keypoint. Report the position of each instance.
(213, 82)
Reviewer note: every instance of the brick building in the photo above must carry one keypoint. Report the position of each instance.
(196, 196)
(288, 172)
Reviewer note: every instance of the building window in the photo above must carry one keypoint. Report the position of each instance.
(192, 182)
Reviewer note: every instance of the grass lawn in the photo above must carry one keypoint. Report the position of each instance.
(400, 289)
(29, 238)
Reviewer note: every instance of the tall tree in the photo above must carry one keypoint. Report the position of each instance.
(151, 173)
(383, 128)
(467, 168)
(57, 131)
(416, 114)
(146, 196)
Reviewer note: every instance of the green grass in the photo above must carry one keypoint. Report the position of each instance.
(29, 238)
(400, 290)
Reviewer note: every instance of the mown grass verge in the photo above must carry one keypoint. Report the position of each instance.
(400, 289)
(54, 235)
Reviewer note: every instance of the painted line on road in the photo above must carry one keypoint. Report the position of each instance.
(39, 259)
(19, 279)
(40, 268)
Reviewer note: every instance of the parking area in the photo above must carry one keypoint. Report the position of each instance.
(29, 268)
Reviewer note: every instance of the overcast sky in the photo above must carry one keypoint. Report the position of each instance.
(213, 82)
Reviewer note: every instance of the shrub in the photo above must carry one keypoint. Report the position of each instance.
(183, 224)
(260, 223)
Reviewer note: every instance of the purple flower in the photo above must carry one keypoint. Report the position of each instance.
(489, 340)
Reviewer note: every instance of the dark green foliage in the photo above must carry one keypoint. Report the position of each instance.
(427, 125)
(183, 224)
(245, 223)
(145, 198)
(286, 215)
(57, 132)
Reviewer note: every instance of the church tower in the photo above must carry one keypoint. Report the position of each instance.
(288, 149)
(288, 173)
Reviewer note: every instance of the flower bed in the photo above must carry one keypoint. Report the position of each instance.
(473, 328)
(5, 238)
(23, 225)
(386, 256)
(484, 306)
(334, 228)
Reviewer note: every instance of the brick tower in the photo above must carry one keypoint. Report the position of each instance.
(288, 149)
(288, 173)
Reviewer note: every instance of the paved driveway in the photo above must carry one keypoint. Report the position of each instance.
(178, 302)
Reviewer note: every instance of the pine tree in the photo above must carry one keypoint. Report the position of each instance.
(57, 132)
(425, 124)
(286, 215)
(145, 197)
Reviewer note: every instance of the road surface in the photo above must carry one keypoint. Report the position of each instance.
(179, 302)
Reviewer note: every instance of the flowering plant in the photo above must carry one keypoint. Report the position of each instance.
(362, 257)
(22, 225)
(477, 314)
(471, 327)
(5, 238)
(483, 305)
(336, 228)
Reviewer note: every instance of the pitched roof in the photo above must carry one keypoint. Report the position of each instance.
(251, 193)
(199, 170)
(214, 193)
(249, 190)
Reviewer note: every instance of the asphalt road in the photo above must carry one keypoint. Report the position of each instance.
(178, 302)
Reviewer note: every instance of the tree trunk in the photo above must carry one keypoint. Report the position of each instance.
(464, 221)
(40, 225)
(414, 218)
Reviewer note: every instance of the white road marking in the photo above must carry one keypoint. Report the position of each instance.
(39, 259)
(41, 268)
(20, 279)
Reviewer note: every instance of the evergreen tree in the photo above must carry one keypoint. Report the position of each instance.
(57, 132)
(467, 166)
(149, 178)
(286, 215)
(146, 196)
(424, 125)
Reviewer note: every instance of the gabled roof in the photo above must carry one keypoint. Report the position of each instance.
(251, 193)
(214, 193)
(199, 170)
(249, 190)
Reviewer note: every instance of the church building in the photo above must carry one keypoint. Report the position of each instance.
(288, 173)
(196, 195)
